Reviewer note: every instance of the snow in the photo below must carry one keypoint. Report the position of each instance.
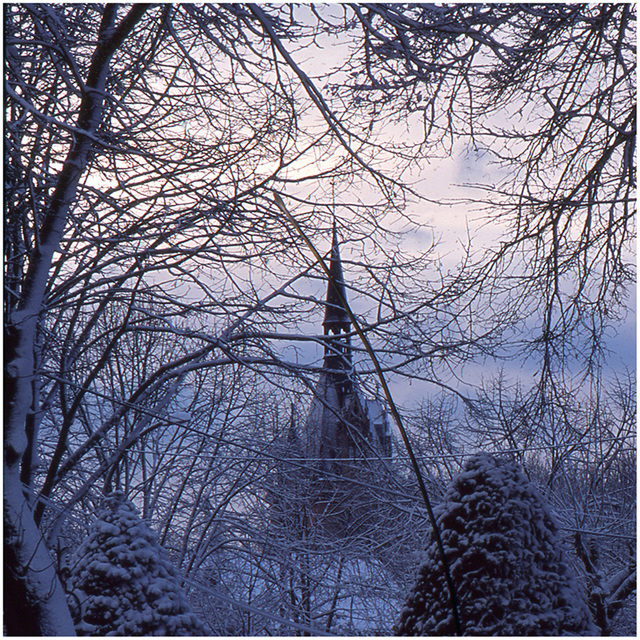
(122, 581)
(505, 558)
(34, 590)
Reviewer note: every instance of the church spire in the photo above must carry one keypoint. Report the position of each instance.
(336, 323)
(339, 425)
(335, 313)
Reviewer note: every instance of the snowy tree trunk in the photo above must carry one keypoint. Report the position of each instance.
(34, 601)
(605, 595)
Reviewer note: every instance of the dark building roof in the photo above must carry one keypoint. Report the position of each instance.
(341, 422)
(335, 312)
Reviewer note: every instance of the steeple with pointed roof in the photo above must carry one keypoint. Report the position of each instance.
(335, 314)
(336, 324)
(338, 422)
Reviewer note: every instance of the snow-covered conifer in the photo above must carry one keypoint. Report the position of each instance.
(505, 558)
(122, 581)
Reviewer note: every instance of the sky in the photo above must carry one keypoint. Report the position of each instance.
(447, 180)
(442, 179)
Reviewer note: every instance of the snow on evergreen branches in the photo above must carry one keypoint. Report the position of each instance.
(506, 562)
(122, 581)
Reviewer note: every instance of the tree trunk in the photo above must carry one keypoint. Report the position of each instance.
(34, 601)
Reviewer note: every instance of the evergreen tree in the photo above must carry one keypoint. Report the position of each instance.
(506, 562)
(122, 581)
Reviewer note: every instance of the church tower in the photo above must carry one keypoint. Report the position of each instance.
(336, 326)
(339, 425)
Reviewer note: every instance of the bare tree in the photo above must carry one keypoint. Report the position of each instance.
(546, 93)
(34, 600)
(147, 271)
